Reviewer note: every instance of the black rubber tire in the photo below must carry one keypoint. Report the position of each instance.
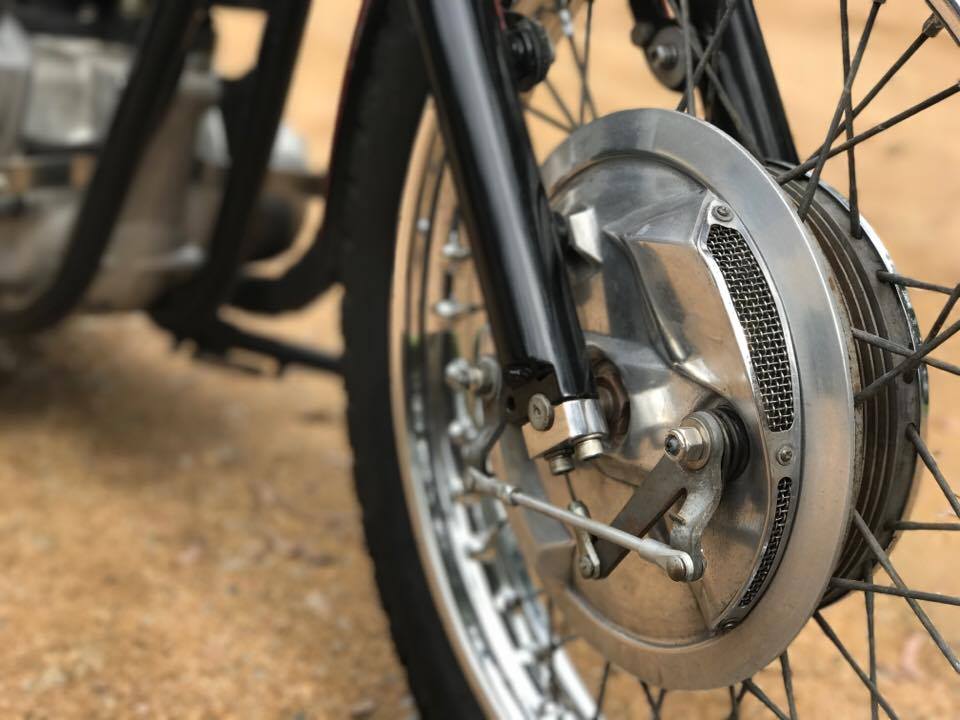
(363, 217)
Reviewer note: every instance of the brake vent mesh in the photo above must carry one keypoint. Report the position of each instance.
(760, 320)
(773, 544)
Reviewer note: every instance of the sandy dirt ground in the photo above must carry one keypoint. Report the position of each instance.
(177, 540)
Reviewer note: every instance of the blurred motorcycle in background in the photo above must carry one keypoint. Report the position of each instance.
(634, 392)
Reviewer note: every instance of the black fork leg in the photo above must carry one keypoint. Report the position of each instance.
(514, 240)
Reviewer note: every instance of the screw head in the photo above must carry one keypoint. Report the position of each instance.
(540, 412)
(728, 625)
(722, 213)
(785, 455)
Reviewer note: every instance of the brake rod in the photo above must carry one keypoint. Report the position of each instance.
(676, 563)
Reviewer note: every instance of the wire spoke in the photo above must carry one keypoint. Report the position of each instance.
(561, 105)
(567, 23)
(760, 695)
(853, 194)
(908, 525)
(735, 699)
(944, 313)
(930, 29)
(871, 588)
(895, 68)
(909, 362)
(864, 678)
(922, 616)
(549, 119)
(897, 349)
(842, 105)
(602, 691)
(931, 462)
(710, 49)
(787, 674)
(897, 279)
(656, 704)
(745, 135)
(688, 86)
(584, 94)
(867, 134)
(872, 652)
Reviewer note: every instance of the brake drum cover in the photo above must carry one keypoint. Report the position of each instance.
(695, 276)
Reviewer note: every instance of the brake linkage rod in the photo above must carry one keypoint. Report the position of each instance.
(676, 563)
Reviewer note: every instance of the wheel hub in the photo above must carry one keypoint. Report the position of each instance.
(696, 280)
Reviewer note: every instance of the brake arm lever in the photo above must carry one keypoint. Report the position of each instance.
(693, 473)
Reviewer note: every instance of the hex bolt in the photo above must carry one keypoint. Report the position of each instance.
(589, 448)
(561, 463)
(453, 250)
(785, 455)
(540, 412)
(722, 213)
(663, 57)
(464, 376)
(450, 309)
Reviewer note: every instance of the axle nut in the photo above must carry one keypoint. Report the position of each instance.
(688, 446)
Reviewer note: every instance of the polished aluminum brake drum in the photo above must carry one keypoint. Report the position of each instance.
(695, 279)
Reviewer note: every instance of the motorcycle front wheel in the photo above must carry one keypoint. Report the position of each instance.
(823, 358)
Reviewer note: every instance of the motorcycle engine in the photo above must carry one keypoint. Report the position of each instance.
(59, 86)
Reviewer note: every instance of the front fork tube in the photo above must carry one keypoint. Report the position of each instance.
(514, 240)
